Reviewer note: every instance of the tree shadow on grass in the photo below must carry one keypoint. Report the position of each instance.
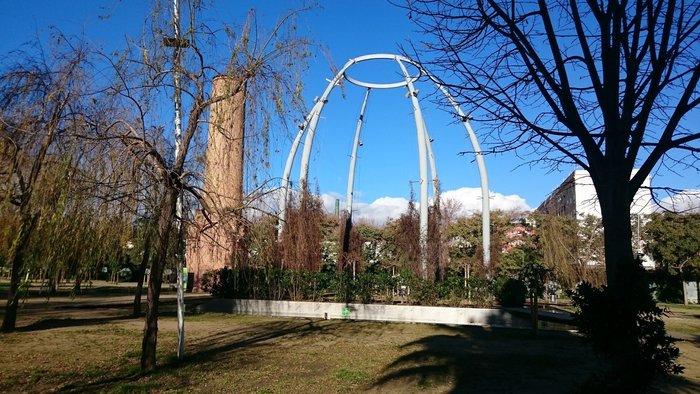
(209, 349)
(35, 292)
(220, 343)
(682, 336)
(488, 360)
(675, 384)
(478, 359)
(53, 323)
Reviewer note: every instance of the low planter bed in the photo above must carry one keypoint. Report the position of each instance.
(495, 317)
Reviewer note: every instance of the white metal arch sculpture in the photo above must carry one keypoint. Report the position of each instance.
(425, 153)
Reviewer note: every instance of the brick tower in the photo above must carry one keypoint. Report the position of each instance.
(212, 243)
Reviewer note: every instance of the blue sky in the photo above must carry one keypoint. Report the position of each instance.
(388, 158)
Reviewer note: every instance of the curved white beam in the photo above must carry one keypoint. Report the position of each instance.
(485, 203)
(308, 127)
(422, 159)
(431, 160)
(288, 170)
(308, 142)
(353, 157)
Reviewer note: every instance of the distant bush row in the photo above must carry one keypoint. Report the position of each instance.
(340, 286)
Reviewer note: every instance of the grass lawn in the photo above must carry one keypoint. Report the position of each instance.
(683, 319)
(228, 353)
(98, 350)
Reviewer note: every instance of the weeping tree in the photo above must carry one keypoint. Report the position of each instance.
(42, 104)
(571, 248)
(63, 241)
(61, 189)
(267, 68)
(128, 193)
(91, 216)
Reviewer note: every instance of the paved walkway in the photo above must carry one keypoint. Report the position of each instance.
(100, 295)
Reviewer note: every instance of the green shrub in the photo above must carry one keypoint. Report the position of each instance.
(365, 286)
(319, 284)
(343, 287)
(480, 291)
(667, 286)
(285, 284)
(452, 289)
(219, 283)
(386, 284)
(424, 292)
(512, 293)
(626, 327)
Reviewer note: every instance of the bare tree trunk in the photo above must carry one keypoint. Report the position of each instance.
(165, 226)
(17, 257)
(534, 309)
(54, 282)
(77, 284)
(628, 289)
(141, 271)
(685, 289)
(615, 207)
(237, 124)
(346, 231)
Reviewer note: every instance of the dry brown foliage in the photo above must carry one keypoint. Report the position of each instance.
(301, 237)
(351, 253)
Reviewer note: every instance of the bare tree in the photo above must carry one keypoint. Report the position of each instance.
(264, 68)
(608, 86)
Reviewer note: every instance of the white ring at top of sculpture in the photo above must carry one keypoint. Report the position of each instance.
(382, 56)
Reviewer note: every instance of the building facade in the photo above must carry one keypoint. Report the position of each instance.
(576, 197)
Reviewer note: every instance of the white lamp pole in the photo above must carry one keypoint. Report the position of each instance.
(178, 207)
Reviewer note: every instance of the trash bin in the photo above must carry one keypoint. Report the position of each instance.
(190, 282)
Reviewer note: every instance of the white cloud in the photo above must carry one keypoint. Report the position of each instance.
(470, 200)
(381, 210)
(329, 201)
(265, 202)
(685, 201)
(385, 208)
(378, 212)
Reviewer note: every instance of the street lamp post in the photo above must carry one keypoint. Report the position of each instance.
(177, 44)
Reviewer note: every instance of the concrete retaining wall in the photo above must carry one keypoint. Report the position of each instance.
(392, 313)
(692, 289)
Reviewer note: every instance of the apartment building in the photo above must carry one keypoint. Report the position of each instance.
(576, 197)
